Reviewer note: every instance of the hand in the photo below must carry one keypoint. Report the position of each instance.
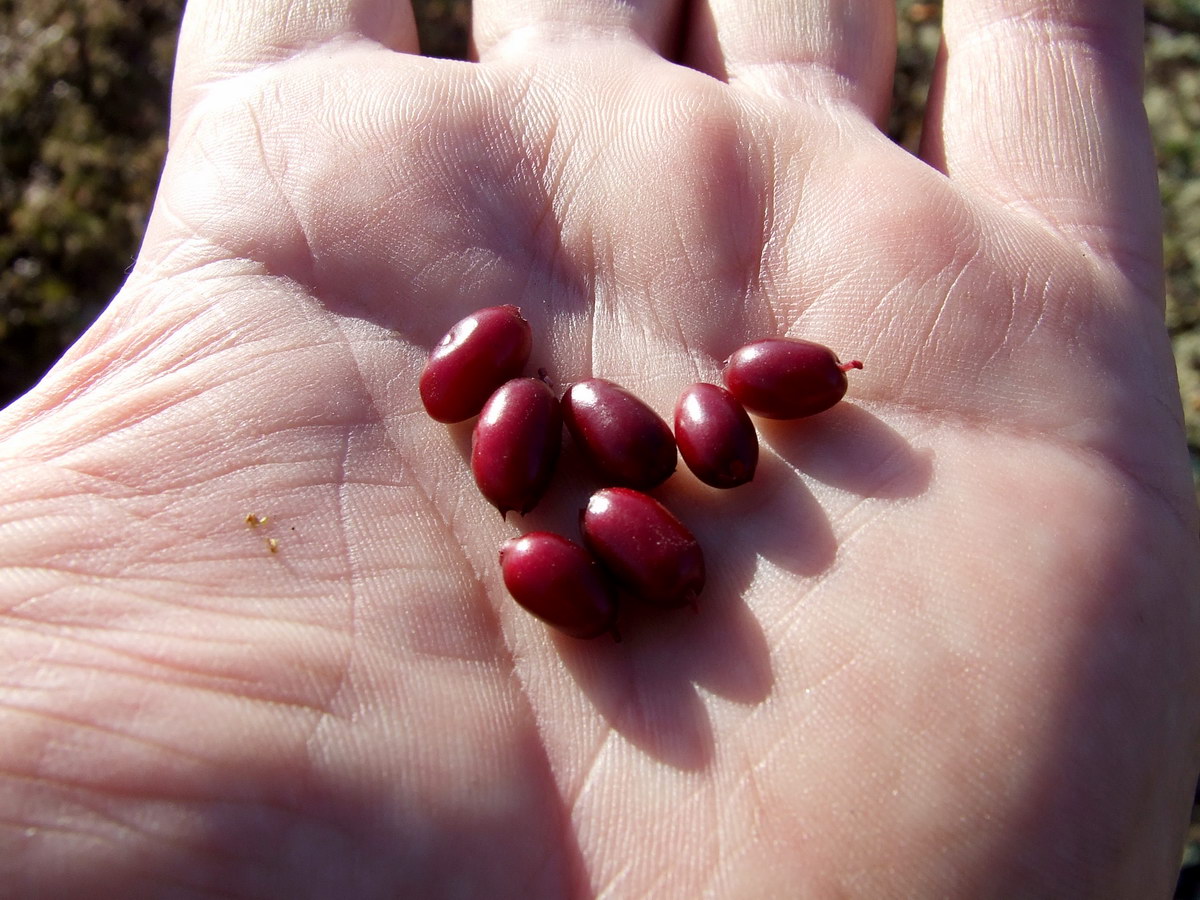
(949, 643)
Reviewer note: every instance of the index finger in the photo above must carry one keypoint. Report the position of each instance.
(220, 39)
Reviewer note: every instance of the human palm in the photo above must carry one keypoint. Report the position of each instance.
(255, 642)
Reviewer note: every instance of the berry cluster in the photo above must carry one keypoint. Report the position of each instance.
(632, 541)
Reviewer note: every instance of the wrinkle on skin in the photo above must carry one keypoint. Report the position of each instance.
(946, 616)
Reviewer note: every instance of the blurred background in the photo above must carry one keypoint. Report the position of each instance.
(84, 86)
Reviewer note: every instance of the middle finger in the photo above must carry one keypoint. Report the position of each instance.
(497, 23)
(818, 50)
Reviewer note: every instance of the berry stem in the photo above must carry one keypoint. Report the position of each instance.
(853, 364)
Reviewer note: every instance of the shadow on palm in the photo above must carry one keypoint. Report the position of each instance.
(648, 686)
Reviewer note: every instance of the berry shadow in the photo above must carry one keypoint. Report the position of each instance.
(850, 449)
(775, 517)
(648, 685)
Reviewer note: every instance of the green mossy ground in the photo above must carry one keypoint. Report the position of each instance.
(84, 87)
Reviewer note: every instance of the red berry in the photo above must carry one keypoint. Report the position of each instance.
(716, 438)
(622, 437)
(649, 551)
(560, 583)
(476, 356)
(515, 445)
(785, 378)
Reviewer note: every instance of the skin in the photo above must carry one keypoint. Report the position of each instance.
(948, 646)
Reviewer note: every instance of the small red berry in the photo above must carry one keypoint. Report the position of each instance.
(623, 438)
(560, 583)
(649, 551)
(516, 443)
(786, 378)
(716, 438)
(475, 357)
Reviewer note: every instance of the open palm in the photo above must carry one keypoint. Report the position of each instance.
(254, 640)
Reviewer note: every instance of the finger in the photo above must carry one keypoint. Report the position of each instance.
(223, 38)
(822, 50)
(501, 24)
(1038, 105)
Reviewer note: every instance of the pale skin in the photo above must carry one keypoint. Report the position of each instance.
(948, 645)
